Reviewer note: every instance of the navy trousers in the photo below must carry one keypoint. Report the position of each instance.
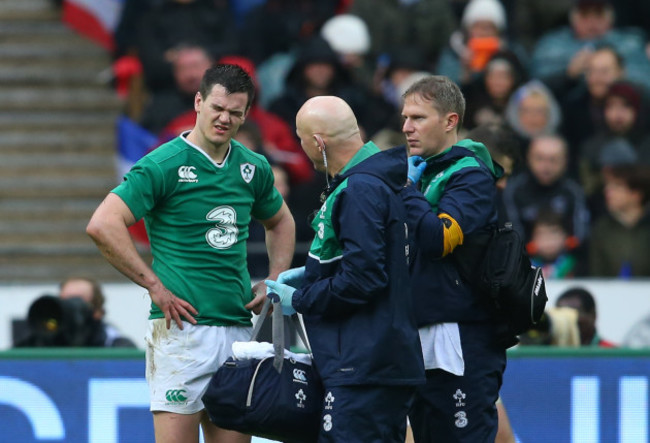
(450, 408)
(365, 414)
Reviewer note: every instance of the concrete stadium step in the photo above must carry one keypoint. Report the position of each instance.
(27, 40)
(18, 164)
(52, 49)
(59, 187)
(47, 208)
(37, 10)
(51, 264)
(39, 235)
(84, 248)
(10, 29)
(67, 141)
(62, 121)
(42, 33)
(37, 76)
(27, 176)
(54, 99)
(50, 75)
(57, 144)
(47, 262)
(76, 227)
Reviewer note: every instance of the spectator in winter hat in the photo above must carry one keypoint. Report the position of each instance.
(482, 34)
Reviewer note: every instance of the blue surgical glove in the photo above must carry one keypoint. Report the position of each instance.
(284, 293)
(417, 165)
(292, 277)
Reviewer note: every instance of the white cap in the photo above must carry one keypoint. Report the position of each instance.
(346, 34)
(491, 10)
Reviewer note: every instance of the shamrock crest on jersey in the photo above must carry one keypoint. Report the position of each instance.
(247, 171)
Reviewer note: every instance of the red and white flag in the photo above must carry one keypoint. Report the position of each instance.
(96, 19)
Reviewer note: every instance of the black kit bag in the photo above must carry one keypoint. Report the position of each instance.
(277, 397)
(496, 263)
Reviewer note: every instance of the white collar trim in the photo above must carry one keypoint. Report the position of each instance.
(218, 165)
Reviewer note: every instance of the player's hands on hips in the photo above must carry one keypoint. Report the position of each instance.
(417, 165)
(259, 295)
(282, 293)
(292, 277)
(172, 307)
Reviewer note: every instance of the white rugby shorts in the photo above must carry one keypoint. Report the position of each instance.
(180, 363)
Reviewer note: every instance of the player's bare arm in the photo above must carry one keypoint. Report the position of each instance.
(280, 245)
(108, 229)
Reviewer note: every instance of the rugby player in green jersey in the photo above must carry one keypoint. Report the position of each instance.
(197, 194)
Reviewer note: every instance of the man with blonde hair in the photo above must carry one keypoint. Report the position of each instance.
(463, 339)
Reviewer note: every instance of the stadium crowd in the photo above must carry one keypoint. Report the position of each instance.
(556, 92)
(567, 82)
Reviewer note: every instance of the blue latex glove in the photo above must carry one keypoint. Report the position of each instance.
(282, 293)
(292, 277)
(417, 165)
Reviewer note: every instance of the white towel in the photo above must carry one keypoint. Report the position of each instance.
(243, 350)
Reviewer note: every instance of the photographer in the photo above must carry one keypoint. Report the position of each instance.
(73, 319)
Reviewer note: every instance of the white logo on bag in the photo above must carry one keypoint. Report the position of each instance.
(300, 396)
(459, 396)
(461, 419)
(299, 376)
(329, 399)
(327, 423)
(186, 174)
(538, 285)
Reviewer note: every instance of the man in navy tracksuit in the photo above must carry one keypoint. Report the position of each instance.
(459, 329)
(354, 289)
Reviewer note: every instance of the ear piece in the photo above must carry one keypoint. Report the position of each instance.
(321, 143)
(321, 148)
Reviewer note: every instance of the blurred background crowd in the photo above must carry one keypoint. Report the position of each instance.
(558, 91)
(559, 88)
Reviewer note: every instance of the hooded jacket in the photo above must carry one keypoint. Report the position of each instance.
(459, 182)
(355, 298)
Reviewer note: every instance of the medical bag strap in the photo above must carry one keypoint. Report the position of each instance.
(278, 330)
(301, 331)
(260, 320)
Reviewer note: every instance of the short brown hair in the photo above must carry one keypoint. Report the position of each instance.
(232, 77)
(444, 95)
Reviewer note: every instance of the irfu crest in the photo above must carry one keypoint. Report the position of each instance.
(247, 171)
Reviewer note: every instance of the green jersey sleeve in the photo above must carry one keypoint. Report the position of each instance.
(269, 200)
(143, 185)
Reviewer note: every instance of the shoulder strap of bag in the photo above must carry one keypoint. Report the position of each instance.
(277, 330)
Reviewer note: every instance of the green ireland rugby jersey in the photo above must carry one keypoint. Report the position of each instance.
(197, 215)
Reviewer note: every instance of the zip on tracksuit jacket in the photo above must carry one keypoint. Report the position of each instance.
(459, 187)
(355, 298)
